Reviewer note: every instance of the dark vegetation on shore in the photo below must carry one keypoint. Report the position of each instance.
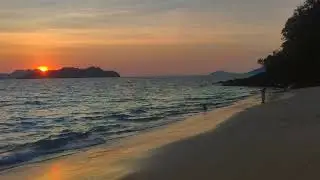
(70, 72)
(297, 62)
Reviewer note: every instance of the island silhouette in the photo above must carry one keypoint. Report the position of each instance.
(66, 72)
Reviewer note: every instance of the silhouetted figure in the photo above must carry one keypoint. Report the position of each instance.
(205, 107)
(263, 95)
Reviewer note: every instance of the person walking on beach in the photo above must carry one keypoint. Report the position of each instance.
(263, 95)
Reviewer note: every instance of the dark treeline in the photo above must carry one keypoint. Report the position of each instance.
(297, 62)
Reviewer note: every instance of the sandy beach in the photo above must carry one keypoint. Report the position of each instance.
(277, 140)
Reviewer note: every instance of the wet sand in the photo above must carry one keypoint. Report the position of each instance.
(127, 156)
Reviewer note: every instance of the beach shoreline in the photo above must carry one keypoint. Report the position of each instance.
(127, 151)
(277, 140)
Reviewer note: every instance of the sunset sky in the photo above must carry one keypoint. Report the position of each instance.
(141, 37)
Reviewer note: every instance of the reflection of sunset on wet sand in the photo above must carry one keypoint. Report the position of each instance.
(55, 173)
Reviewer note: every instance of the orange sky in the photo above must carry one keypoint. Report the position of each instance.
(140, 37)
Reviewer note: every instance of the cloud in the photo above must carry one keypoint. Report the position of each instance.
(32, 15)
(17, 15)
(115, 21)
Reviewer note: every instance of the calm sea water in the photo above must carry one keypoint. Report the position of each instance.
(45, 118)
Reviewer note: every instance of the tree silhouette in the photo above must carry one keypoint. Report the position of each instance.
(298, 60)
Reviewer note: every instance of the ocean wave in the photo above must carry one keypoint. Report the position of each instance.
(7, 103)
(121, 117)
(138, 111)
(7, 124)
(146, 119)
(34, 103)
(59, 120)
(120, 100)
(175, 112)
(105, 129)
(66, 140)
(45, 122)
(198, 98)
(126, 130)
(28, 123)
(94, 118)
(53, 144)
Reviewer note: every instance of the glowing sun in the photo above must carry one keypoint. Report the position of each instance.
(43, 68)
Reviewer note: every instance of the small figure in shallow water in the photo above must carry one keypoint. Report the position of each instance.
(263, 95)
(205, 107)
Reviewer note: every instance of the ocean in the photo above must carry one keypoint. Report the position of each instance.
(41, 119)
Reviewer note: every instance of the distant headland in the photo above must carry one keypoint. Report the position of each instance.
(66, 72)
